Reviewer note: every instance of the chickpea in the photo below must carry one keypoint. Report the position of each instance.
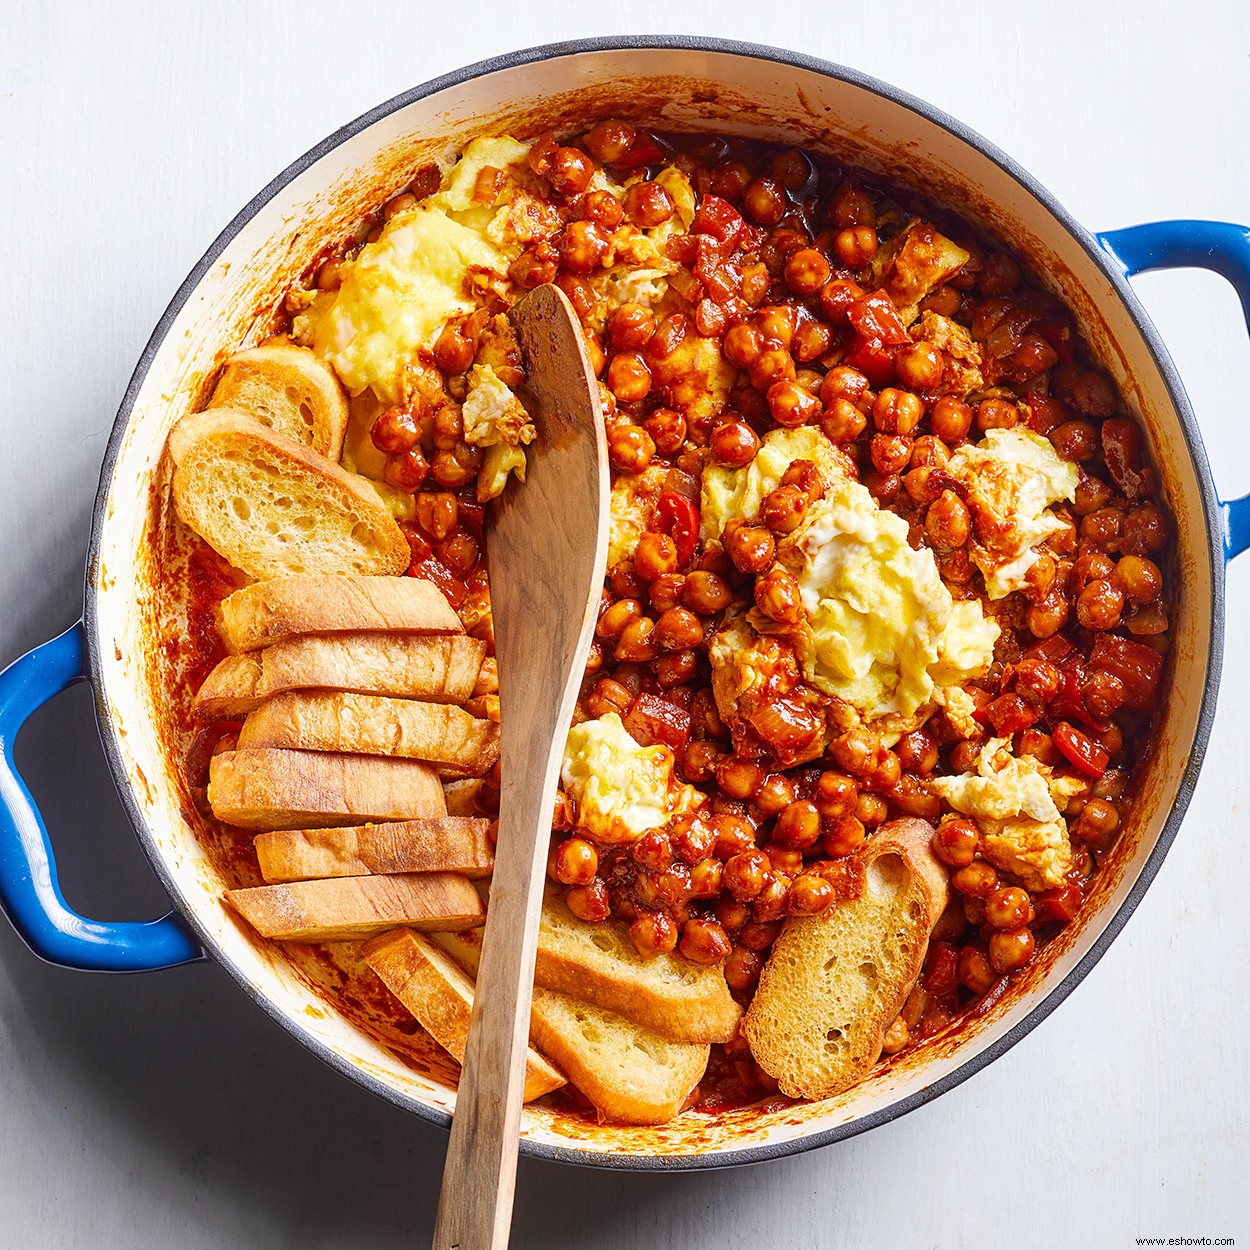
(408, 470)
(812, 340)
(655, 556)
(856, 751)
(647, 204)
(1048, 615)
(704, 941)
(784, 509)
(1000, 275)
(1099, 605)
(917, 752)
(975, 970)
(576, 862)
(852, 206)
(653, 933)
(956, 840)
(678, 629)
(636, 644)
(667, 589)
(792, 169)
(1092, 494)
(765, 200)
(1011, 950)
(398, 204)
(842, 422)
(460, 553)
(706, 592)
(977, 880)
(740, 779)
(609, 696)
(630, 380)
(896, 1037)
(667, 429)
(775, 795)
(996, 414)
(1145, 531)
(612, 623)
(589, 902)
(1103, 693)
(743, 345)
(1103, 528)
(945, 301)
(750, 547)
(806, 271)
(889, 453)
(1008, 908)
(951, 419)
(742, 968)
(668, 337)
(1098, 820)
(730, 180)
(1139, 578)
(707, 878)
(395, 431)
(777, 596)
(1075, 440)
(583, 245)
(699, 759)
(856, 246)
(897, 412)
(836, 298)
(844, 836)
(630, 327)
(773, 366)
(770, 903)
(810, 895)
(734, 444)
(625, 582)
(948, 523)
(791, 404)
(843, 382)
(675, 668)
(630, 448)
(920, 365)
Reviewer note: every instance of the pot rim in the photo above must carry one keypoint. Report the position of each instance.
(1193, 445)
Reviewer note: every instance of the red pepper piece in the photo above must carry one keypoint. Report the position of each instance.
(1056, 649)
(1083, 754)
(718, 218)
(876, 318)
(454, 590)
(872, 358)
(1058, 905)
(677, 517)
(1138, 666)
(941, 975)
(652, 718)
(1057, 331)
(643, 151)
(1009, 714)
(1121, 449)
(1069, 702)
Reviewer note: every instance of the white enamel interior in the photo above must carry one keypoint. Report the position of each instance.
(674, 89)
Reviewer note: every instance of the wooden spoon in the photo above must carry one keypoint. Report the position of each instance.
(547, 548)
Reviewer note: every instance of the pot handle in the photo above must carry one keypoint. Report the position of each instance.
(1219, 246)
(29, 892)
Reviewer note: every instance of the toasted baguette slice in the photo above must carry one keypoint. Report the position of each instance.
(274, 610)
(597, 963)
(273, 789)
(348, 908)
(444, 844)
(291, 390)
(439, 994)
(437, 668)
(370, 724)
(632, 1074)
(272, 506)
(833, 984)
(461, 796)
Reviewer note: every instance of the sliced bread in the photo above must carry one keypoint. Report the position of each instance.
(632, 1074)
(276, 789)
(291, 390)
(271, 506)
(439, 994)
(348, 908)
(370, 724)
(599, 964)
(274, 610)
(834, 983)
(442, 844)
(437, 668)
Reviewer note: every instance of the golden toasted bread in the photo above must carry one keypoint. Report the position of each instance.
(834, 983)
(631, 1073)
(276, 789)
(291, 390)
(462, 796)
(272, 611)
(598, 963)
(439, 994)
(437, 668)
(442, 844)
(347, 908)
(369, 724)
(272, 506)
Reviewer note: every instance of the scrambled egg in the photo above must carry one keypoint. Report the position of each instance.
(882, 630)
(631, 506)
(962, 374)
(1011, 478)
(621, 789)
(1013, 799)
(913, 263)
(494, 419)
(730, 493)
(401, 290)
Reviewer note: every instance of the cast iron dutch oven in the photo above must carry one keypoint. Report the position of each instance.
(673, 84)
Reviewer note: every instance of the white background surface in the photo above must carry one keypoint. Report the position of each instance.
(164, 1110)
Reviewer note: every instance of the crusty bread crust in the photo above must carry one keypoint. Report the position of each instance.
(598, 963)
(436, 990)
(442, 844)
(272, 506)
(348, 908)
(631, 1074)
(277, 789)
(274, 610)
(291, 390)
(369, 724)
(230, 691)
(833, 984)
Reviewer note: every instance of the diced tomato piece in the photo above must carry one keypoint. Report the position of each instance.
(1138, 666)
(1056, 649)
(1121, 449)
(721, 278)
(872, 358)
(718, 218)
(454, 590)
(471, 514)
(876, 318)
(1085, 755)
(1046, 412)
(643, 151)
(1057, 331)
(677, 517)
(1009, 714)
(683, 248)
(1059, 905)
(941, 976)
(652, 718)
(991, 996)
(1069, 702)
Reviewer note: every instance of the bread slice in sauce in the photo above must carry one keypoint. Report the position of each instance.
(833, 984)
(441, 844)
(349, 908)
(271, 506)
(277, 789)
(277, 609)
(291, 390)
(436, 668)
(631, 1073)
(598, 963)
(436, 990)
